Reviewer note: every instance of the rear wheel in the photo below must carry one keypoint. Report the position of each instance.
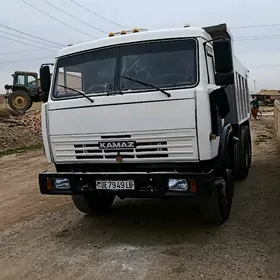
(93, 204)
(259, 115)
(250, 147)
(20, 101)
(217, 207)
(245, 156)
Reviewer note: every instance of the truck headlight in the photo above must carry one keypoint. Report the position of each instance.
(61, 184)
(180, 185)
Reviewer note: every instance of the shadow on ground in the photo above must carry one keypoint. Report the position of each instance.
(142, 223)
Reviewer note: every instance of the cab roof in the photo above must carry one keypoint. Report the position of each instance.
(18, 72)
(136, 37)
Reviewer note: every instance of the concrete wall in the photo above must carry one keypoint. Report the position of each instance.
(277, 117)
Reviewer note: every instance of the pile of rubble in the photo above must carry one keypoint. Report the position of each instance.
(32, 121)
(19, 130)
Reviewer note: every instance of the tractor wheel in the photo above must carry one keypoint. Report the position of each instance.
(20, 101)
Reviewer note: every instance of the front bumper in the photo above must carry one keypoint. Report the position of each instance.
(152, 184)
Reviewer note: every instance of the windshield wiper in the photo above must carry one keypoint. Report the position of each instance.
(78, 91)
(147, 85)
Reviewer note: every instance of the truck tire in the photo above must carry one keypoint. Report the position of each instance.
(93, 204)
(217, 207)
(250, 147)
(20, 101)
(245, 151)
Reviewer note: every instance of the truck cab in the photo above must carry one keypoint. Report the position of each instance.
(147, 114)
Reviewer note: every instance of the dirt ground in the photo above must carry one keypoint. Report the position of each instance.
(45, 237)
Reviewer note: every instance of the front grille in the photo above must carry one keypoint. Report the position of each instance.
(151, 146)
(153, 152)
(80, 151)
(143, 150)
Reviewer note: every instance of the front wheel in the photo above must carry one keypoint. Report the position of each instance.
(93, 204)
(217, 207)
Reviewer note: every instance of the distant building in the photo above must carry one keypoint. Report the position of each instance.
(70, 80)
(268, 95)
(73, 80)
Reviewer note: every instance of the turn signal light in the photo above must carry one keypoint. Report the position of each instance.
(50, 185)
(123, 32)
(193, 185)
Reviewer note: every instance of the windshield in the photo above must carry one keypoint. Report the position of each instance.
(168, 64)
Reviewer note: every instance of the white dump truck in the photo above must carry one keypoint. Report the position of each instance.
(148, 114)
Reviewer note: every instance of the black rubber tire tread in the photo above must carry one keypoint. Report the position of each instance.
(250, 147)
(93, 204)
(243, 168)
(81, 203)
(214, 209)
(22, 93)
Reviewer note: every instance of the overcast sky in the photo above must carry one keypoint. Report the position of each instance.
(256, 55)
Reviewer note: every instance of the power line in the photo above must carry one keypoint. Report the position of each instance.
(16, 52)
(257, 38)
(25, 43)
(96, 14)
(25, 60)
(256, 26)
(265, 66)
(27, 34)
(76, 18)
(59, 20)
(30, 40)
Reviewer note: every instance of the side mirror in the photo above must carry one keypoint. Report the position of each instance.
(223, 62)
(45, 81)
(223, 56)
(223, 79)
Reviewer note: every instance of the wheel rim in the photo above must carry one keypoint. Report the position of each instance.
(19, 101)
(258, 116)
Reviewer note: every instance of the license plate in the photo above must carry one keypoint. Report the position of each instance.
(115, 185)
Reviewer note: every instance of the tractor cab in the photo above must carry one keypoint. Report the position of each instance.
(29, 80)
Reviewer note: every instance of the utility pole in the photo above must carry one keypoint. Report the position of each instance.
(255, 87)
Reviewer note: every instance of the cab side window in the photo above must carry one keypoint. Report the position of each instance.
(210, 65)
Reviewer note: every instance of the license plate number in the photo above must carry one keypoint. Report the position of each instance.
(115, 185)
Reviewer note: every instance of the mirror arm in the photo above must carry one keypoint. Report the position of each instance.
(47, 64)
(215, 39)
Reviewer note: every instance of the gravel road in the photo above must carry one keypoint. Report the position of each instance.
(45, 237)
